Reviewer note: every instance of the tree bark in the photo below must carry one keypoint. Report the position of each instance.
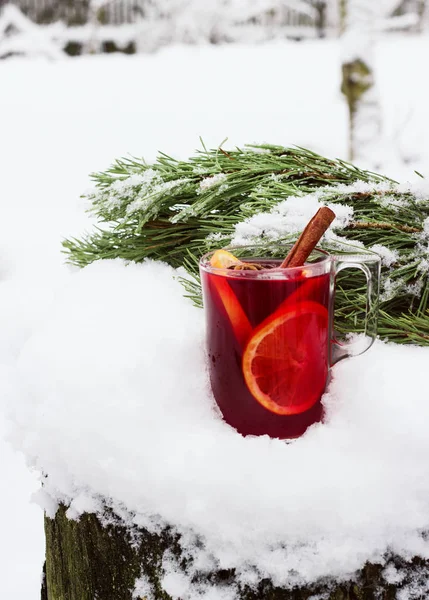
(86, 560)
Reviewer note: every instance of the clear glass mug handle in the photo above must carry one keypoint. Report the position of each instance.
(370, 265)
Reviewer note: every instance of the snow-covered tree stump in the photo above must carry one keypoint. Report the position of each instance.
(86, 559)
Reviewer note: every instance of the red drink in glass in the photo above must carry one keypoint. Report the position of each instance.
(269, 335)
(268, 345)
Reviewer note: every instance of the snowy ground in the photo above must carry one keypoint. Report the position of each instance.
(59, 121)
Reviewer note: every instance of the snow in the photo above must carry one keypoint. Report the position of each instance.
(22, 544)
(83, 354)
(142, 588)
(388, 257)
(392, 575)
(213, 181)
(426, 227)
(137, 346)
(291, 216)
(19, 35)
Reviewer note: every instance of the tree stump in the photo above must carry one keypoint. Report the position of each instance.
(86, 560)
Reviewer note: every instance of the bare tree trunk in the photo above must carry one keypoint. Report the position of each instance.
(342, 12)
(359, 36)
(321, 24)
(422, 12)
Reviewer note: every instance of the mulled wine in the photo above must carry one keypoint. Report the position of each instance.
(268, 343)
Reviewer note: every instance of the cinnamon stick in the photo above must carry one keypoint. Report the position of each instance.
(309, 238)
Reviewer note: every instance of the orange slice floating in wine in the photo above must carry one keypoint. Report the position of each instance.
(282, 362)
(222, 259)
(309, 288)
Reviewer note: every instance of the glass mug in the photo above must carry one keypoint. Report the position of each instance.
(270, 339)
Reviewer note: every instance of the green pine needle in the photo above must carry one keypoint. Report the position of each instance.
(175, 211)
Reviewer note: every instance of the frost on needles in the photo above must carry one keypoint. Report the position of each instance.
(175, 211)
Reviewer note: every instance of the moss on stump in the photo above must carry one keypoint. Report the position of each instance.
(86, 560)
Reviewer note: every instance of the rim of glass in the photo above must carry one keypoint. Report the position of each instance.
(204, 262)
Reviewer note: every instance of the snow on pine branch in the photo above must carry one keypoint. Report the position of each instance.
(290, 216)
(266, 215)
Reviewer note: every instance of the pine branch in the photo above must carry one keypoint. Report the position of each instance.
(175, 211)
(368, 225)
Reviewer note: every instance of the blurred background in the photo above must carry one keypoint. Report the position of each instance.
(84, 82)
(343, 77)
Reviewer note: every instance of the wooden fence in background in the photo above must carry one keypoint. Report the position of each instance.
(119, 12)
(76, 12)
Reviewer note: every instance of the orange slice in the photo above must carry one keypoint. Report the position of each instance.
(307, 289)
(236, 315)
(222, 259)
(285, 362)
